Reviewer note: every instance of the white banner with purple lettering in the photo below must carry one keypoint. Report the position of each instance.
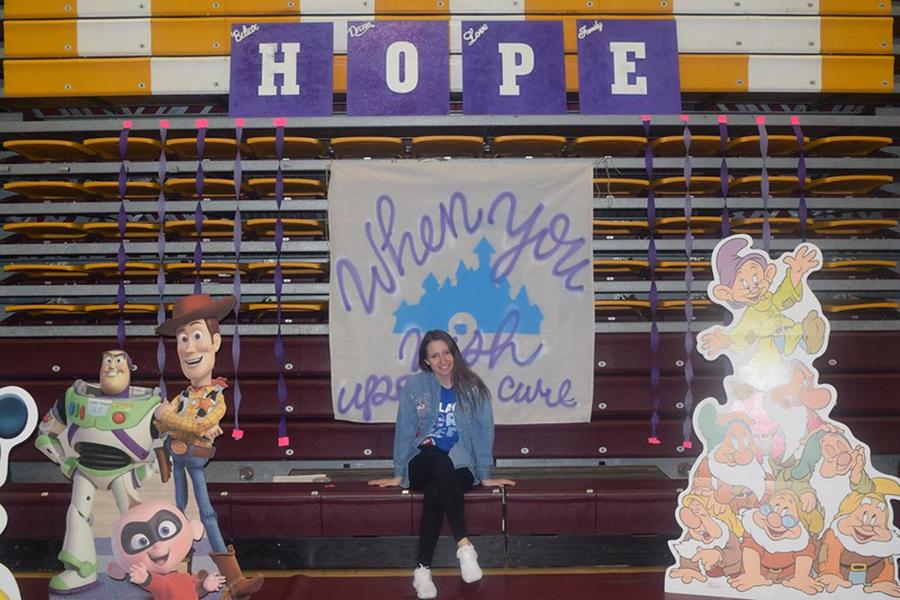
(497, 253)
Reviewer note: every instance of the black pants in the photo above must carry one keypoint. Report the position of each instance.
(431, 472)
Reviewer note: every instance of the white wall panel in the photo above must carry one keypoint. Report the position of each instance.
(785, 73)
(114, 37)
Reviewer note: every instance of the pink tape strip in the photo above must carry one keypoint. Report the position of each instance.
(127, 124)
(723, 119)
(687, 445)
(200, 123)
(795, 120)
(237, 433)
(284, 441)
(280, 121)
(239, 122)
(645, 118)
(760, 119)
(684, 118)
(654, 441)
(163, 123)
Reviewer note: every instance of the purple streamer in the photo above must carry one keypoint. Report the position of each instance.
(279, 282)
(764, 180)
(161, 255)
(199, 181)
(654, 294)
(236, 340)
(688, 281)
(723, 175)
(801, 176)
(120, 257)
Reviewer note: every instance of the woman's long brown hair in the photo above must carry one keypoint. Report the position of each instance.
(469, 386)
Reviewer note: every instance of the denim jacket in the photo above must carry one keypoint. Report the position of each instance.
(416, 415)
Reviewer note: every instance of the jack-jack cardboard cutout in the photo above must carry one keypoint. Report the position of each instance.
(18, 418)
(149, 543)
(102, 437)
(784, 501)
(190, 421)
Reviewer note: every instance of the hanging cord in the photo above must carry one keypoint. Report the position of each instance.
(801, 175)
(199, 180)
(723, 175)
(654, 294)
(764, 180)
(237, 433)
(161, 254)
(120, 257)
(283, 439)
(688, 281)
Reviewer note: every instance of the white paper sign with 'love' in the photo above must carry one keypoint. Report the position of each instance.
(497, 253)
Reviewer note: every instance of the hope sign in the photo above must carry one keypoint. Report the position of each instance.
(404, 68)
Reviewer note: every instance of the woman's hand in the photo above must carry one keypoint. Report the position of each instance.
(390, 482)
(497, 482)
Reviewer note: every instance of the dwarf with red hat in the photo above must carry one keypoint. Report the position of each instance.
(191, 421)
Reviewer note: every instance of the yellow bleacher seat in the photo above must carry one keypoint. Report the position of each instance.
(46, 271)
(678, 225)
(49, 190)
(129, 308)
(294, 147)
(133, 189)
(611, 266)
(856, 265)
(138, 148)
(368, 146)
(212, 228)
(134, 230)
(777, 225)
(527, 145)
(673, 145)
(294, 187)
(311, 307)
(846, 145)
(50, 150)
(851, 226)
(45, 310)
(611, 310)
(604, 227)
(701, 185)
(207, 269)
(132, 269)
(678, 305)
(679, 266)
(290, 227)
(215, 148)
(606, 145)
(447, 145)
(620, 186)
(778, 145)
(213, 187)
(47, 230)
(847, 185)
(288, 268)
(853, 307)
(751, 185)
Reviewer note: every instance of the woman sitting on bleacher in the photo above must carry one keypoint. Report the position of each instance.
(443, 446)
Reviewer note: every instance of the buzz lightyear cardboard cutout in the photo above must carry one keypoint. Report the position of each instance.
(784, 501)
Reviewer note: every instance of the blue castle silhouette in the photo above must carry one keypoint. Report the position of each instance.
(475, 293)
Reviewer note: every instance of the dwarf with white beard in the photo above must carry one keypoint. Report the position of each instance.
(859, 547)
(778, 545)
(833, 469)
(731, 473)
(710, 546)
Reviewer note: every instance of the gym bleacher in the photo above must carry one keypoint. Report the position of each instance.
(588, 494)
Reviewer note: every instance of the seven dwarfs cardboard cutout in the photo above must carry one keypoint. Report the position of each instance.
(783, 502)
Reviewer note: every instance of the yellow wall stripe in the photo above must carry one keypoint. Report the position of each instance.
(61, 9)
(856, 35)
(699, 73)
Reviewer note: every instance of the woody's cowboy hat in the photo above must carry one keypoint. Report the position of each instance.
(195, 307)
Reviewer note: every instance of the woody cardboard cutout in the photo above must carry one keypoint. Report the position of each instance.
(190, 421)
(783, 502)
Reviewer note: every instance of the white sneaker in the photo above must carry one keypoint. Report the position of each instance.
(468, 563)
(423, 584)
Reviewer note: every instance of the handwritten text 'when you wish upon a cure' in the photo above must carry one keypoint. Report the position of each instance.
(537, 237)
